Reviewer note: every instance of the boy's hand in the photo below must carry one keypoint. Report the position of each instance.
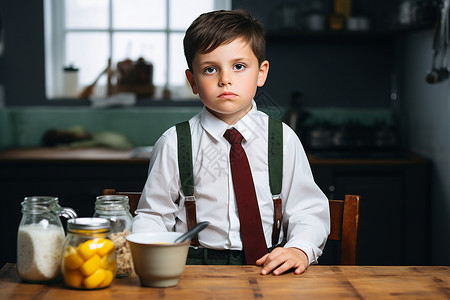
(281, 260)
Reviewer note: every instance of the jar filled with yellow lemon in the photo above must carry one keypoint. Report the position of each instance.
(89, 260)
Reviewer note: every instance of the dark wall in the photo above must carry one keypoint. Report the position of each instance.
(22, 65)
(348, 73)
(341, 72)
(329, 70)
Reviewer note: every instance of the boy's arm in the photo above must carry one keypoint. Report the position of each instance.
(305, 213)
(157, 208)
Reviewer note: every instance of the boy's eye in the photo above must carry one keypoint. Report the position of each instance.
(209, 70)
(239, 67)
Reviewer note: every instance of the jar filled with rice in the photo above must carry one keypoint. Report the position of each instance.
(40, 239)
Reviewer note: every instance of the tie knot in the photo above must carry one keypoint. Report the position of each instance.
(233, 136)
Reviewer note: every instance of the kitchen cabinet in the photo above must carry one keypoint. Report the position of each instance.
(76, 177)
(394, 207)
(394, 194)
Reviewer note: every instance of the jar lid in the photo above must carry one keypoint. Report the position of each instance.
(88, 223)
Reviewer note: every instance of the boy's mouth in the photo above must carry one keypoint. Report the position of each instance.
(227, 95)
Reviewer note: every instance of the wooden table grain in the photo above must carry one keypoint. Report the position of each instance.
(244, 282)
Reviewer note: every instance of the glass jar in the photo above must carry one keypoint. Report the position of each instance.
(40, 239)
(89, 260)
(116, 209)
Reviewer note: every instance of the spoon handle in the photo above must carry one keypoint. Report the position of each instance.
(191, 233)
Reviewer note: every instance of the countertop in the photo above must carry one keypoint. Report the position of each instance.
(105, 155)
(245, 282)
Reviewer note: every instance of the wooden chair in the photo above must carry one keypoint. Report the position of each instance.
(344, 219)
(132, 196)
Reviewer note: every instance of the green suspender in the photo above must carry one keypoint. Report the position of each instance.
(275, 152)
(275, 158)
(186, 174)
(275, 145)
(185, 158)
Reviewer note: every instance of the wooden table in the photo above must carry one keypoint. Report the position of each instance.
(244, 282)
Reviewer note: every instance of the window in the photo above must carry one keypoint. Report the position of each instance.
(85, 34)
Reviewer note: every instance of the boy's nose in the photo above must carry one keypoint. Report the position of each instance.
(225, 79)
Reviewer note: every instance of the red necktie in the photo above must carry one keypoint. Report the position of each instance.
(251, 227)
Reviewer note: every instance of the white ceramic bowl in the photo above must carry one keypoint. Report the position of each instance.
(157, 260)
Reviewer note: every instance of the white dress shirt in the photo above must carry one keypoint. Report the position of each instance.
(306, 221)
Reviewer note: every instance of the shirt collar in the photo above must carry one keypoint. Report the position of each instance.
(216, 127)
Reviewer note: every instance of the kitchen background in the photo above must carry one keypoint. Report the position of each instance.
(371, 80)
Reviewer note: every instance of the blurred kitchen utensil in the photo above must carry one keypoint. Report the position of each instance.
(89, 90)
(135, 77)
(285, 17)
(70, 80)
(358, 23)
(440, 46)
(315, 18)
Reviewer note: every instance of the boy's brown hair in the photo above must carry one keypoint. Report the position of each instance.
(212, 29)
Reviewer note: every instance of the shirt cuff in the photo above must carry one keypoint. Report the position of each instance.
(310, 250)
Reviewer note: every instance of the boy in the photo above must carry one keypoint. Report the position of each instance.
(225, 55)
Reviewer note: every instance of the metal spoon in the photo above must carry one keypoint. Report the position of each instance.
(191, 233)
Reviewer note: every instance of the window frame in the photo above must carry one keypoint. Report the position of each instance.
(55, 47)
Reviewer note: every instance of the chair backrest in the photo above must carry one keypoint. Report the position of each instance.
(344, 218)
(133, 197)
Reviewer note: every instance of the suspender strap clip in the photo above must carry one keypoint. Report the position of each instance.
(277, 219)
(191, 216)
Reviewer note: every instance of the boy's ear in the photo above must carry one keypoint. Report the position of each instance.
(263, 71)
(190, 77)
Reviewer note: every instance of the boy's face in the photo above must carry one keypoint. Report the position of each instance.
(226, 79)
